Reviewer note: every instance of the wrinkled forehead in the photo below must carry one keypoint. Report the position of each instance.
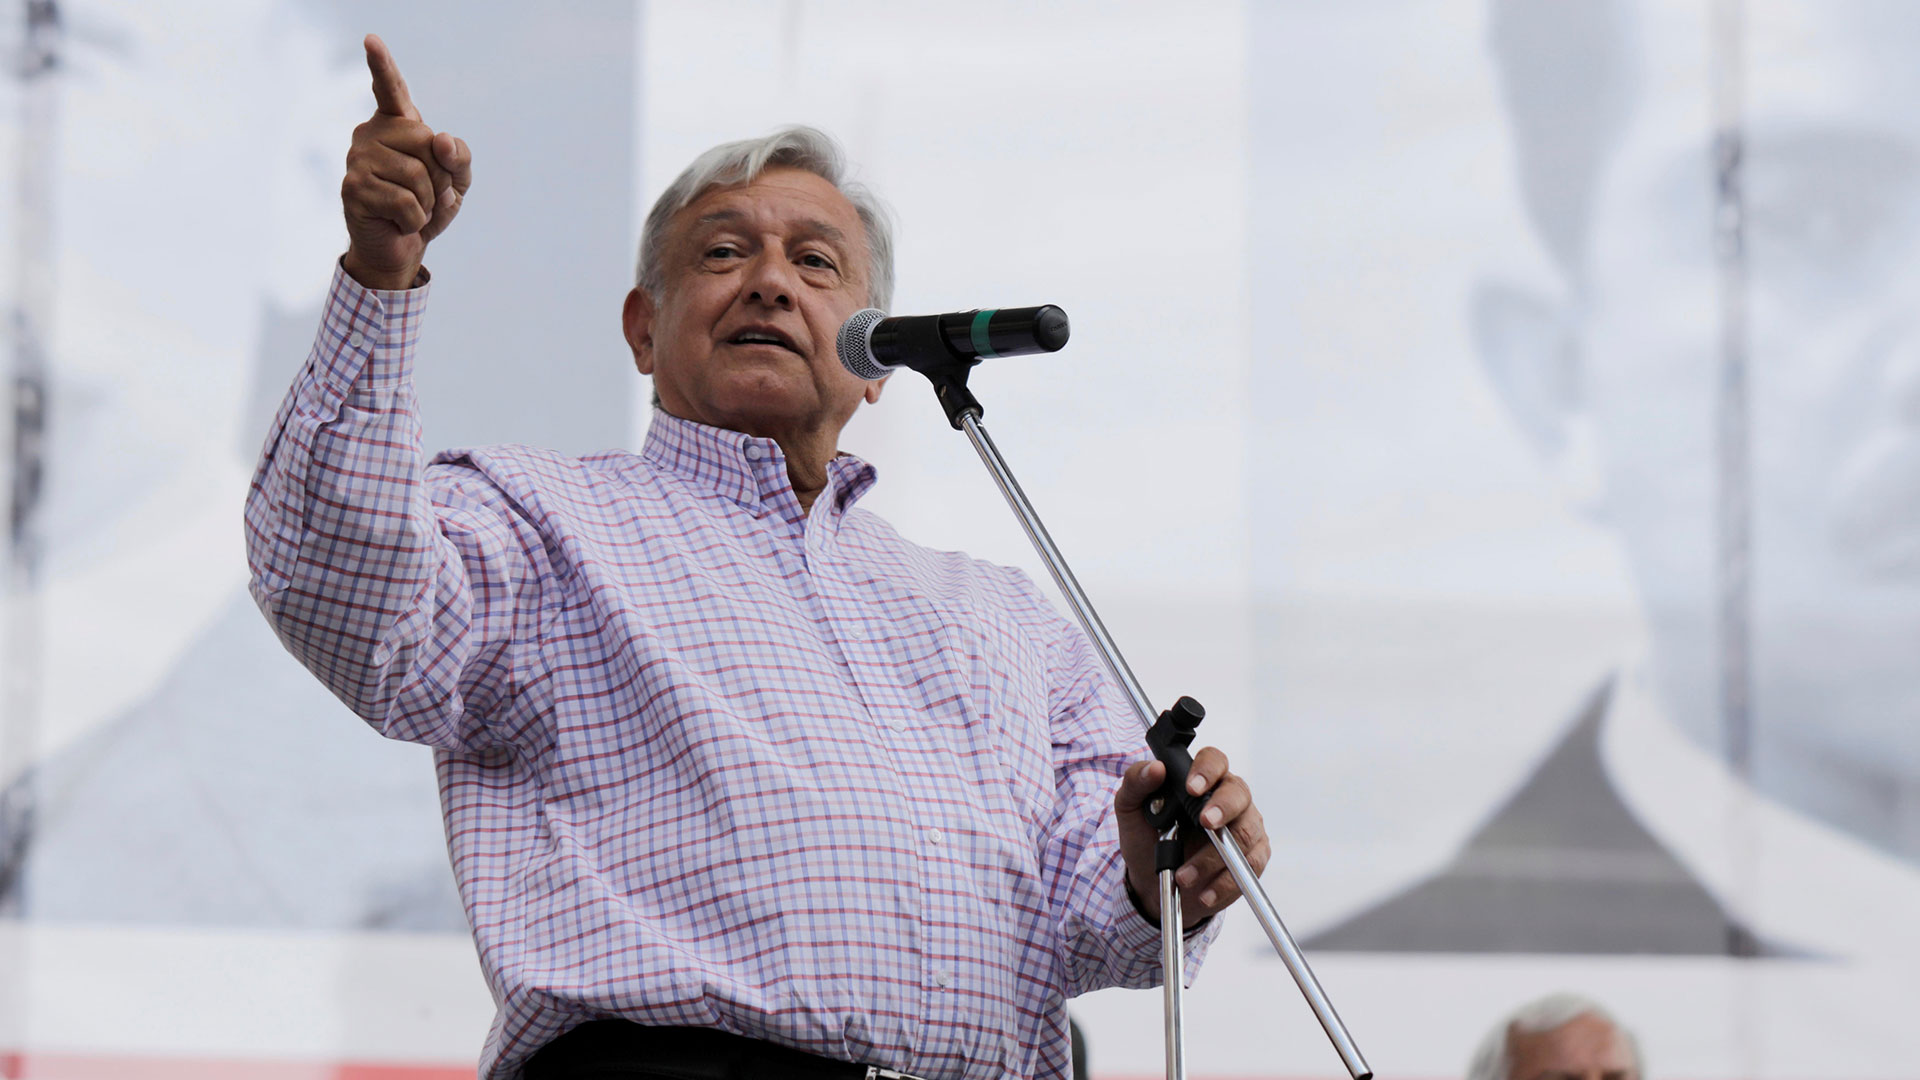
(1851, 58)
(791, 203)
(1849, 61)
(1844, 61)
(1621, 136)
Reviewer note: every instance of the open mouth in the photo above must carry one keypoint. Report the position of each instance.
(764, 336)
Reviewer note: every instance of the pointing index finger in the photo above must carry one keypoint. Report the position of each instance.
(389, 88)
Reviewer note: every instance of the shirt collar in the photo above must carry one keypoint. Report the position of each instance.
(748, 469)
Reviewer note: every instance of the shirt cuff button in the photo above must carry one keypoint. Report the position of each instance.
(356, 340)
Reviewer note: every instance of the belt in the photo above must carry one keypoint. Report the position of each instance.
(617, 1049)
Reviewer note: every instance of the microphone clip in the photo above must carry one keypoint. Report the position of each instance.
(947, 372)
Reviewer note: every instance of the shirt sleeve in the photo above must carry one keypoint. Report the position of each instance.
(1103, 940)
(413, 591)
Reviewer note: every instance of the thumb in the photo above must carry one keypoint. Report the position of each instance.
(1138, 785)
(453, 156)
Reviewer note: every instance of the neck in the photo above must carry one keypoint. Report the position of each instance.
(806, 470)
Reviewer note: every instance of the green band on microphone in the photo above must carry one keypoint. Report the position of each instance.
(980, 342)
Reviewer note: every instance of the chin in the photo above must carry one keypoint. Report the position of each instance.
(763, 405)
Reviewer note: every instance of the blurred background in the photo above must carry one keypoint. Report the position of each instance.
(1505, 416)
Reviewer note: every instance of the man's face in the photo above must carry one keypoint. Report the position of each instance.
(1832, 183)
(759, 277)
(1584, 1048)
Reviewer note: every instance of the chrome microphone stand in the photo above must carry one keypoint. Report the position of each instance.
(1173, 979)
(947, 367)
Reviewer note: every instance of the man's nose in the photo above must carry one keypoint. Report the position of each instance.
(770, 280)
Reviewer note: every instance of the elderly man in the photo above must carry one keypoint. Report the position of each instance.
(736, 780)
(1557, 1037)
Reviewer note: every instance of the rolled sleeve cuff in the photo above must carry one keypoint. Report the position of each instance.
(367, 336)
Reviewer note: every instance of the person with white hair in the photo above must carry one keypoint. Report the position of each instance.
(737, 781)
(1558, 1037)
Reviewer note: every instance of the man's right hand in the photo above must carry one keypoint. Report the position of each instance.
(404, 182)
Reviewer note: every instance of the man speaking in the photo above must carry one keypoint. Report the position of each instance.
(737, 782)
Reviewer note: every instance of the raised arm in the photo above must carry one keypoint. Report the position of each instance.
(412, 591)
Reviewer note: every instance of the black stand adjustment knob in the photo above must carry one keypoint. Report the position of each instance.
(1169, 738)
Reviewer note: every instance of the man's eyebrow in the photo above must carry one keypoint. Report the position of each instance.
(719, 217)
(808, 226)
(825, 229)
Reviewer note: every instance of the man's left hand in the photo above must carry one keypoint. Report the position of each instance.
(1206, 887)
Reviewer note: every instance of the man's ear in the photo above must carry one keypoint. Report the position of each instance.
(1531, 354)
(1531, 357)
(636, 321)
(874, 388)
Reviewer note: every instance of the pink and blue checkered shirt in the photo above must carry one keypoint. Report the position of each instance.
(705, 758)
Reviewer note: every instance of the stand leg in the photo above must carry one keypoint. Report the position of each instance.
(1236, 860)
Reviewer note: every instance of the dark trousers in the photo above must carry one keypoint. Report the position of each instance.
(619, 1050)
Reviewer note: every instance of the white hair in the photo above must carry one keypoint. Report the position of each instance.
(741, 162)
(1493, 1058)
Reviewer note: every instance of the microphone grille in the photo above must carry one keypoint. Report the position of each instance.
(855, 345)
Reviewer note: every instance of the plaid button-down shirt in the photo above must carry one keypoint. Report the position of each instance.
(706, 758)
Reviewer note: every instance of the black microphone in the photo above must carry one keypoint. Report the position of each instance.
(871, 343)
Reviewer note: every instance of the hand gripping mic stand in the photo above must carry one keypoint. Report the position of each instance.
(1173, 810)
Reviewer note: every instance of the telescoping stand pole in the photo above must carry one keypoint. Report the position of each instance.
(964, 412)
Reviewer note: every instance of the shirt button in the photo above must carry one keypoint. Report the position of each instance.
(855, 633)
(941, 978)
(356, 339)
(934, 836)
(897, 722)
(753, 452)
